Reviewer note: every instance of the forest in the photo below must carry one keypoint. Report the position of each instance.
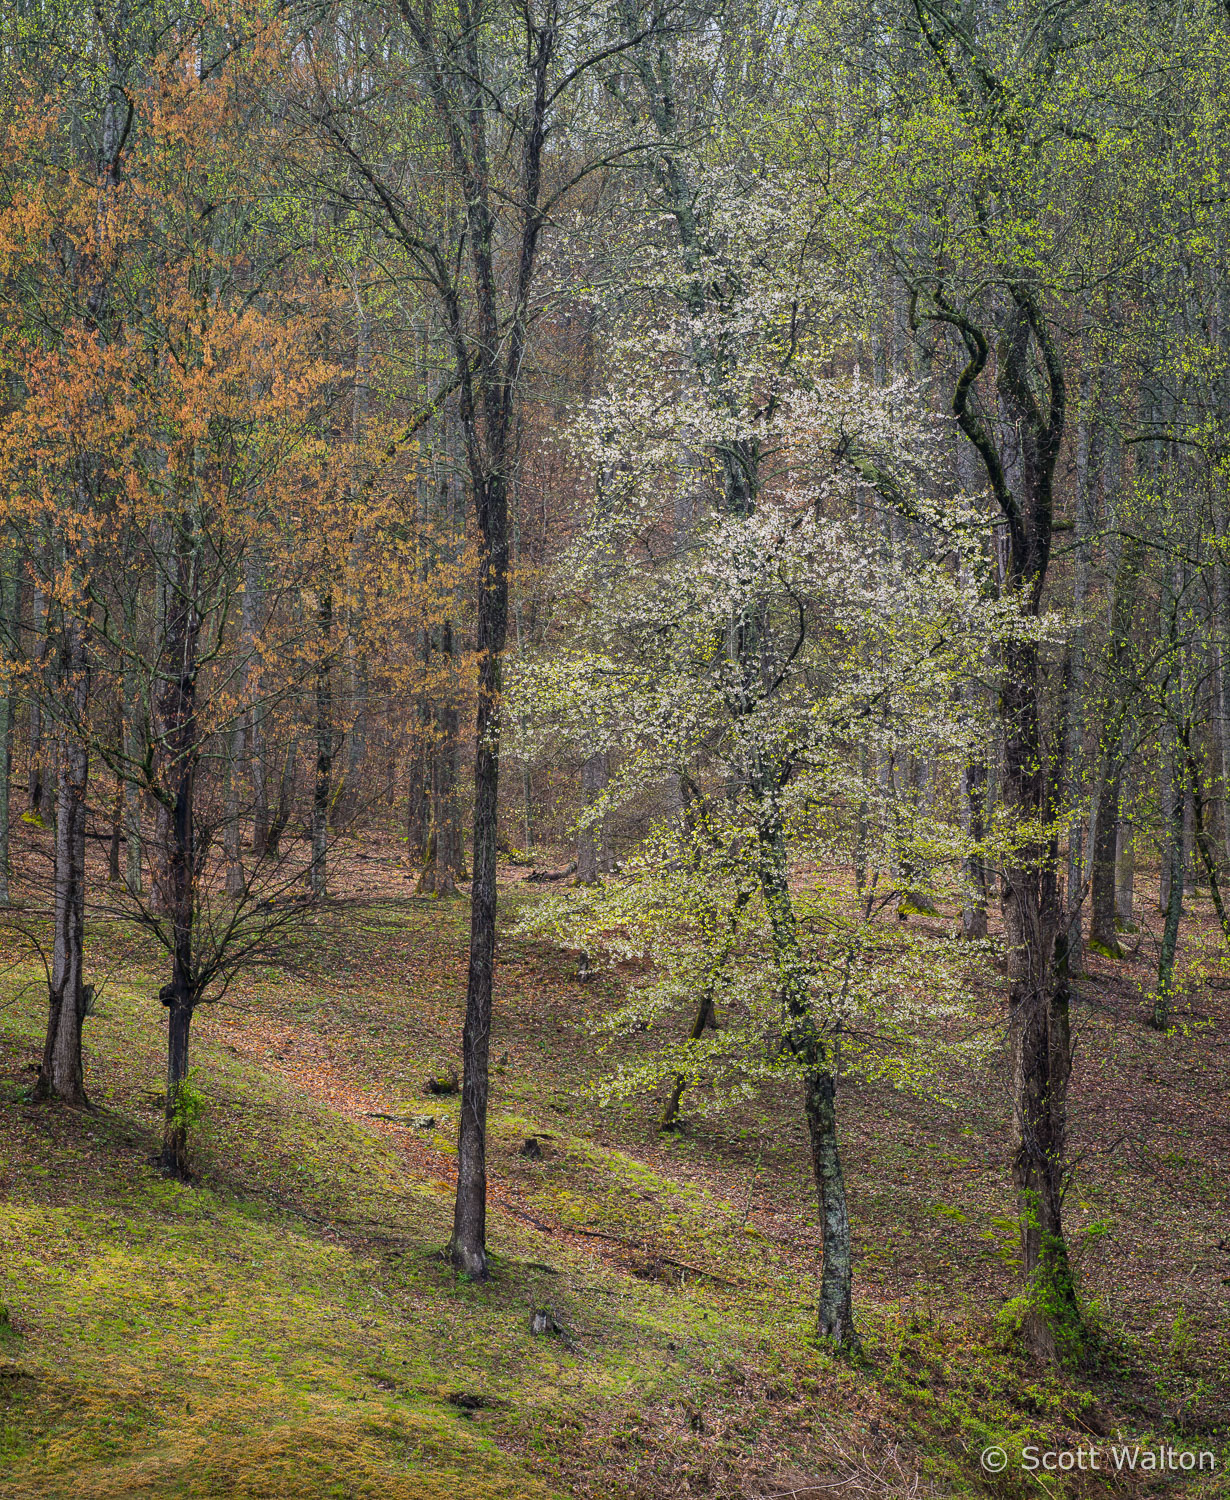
(614, 749)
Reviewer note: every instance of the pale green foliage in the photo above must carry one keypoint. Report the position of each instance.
(685, 919)
(746, 651)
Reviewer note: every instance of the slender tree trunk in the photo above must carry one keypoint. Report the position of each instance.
(286, 799)
(1074, 670)
(238, 747)
(117, 834)
(1175, 799)
(175, 1145)
(974, 825)
(1173, 857)
(180, 749)
(36, 785)
(469, 1243)
(1108, 790)
(1125, 870)
(318, 870)
(132, 793)
(254, 718)
(62, 1075)
(257, 765)
(670, 1114)
(10, 634)
(835, 1317)
(347, 800)
(232, 840)
(443, 859)
(1221, 619)
(1103, 937)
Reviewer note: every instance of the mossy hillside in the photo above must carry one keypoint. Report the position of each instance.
(288, 1320)
(287, 1326)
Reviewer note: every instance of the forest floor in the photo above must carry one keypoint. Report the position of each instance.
(286, 1326)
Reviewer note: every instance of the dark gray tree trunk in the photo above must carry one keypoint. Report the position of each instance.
(469, 1242)
(179, 750)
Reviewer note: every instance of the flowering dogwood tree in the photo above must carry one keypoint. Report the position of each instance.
(744, 657)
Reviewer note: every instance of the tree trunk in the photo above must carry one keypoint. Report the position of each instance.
(318, 870)
(286, 799)
(1087, 444)
(36, 782)
(974, 825)
(1103, 937)
(231, 838)
(1035, 939)
(238, 747)
(835, 1317)
(132, 795)
(117, 834)
(175, 1152)
(835, 1321)
(422, 754)
(260, 782)
(179, 753)
(443, 860)
(1221, 618)
(62, 1075)
(1125, 870)
(1112, 749)
(469, 1243)
(10, 640)
(1173, 858)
